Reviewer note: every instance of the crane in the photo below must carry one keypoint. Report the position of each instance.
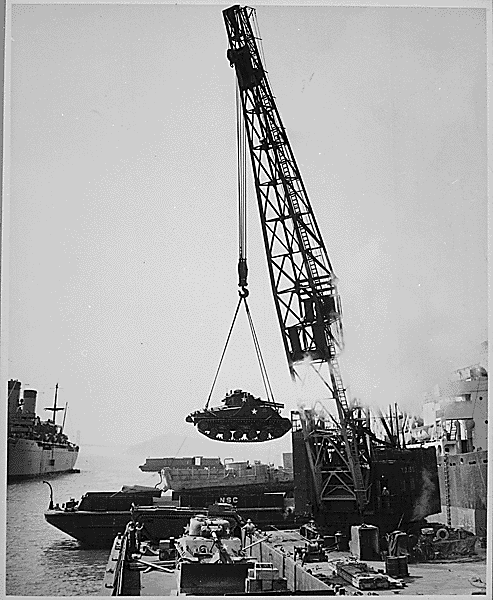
(303, 282)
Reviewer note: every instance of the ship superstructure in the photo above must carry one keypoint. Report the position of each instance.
(35, 447)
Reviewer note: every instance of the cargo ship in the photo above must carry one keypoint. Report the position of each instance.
(455, 423)
(34, 447)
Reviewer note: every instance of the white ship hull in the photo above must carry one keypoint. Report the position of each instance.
(30, 458)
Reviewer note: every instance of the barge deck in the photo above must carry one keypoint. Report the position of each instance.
(429, 578)
(146, 575)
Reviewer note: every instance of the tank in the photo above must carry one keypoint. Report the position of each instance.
(243, 418)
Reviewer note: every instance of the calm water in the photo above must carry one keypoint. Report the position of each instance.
(40, 559)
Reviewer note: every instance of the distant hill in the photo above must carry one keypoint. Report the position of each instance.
(170, 444)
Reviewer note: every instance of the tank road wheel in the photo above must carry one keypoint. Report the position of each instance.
(226, 435)
(252, 435)
(203, 426)
(263, 435)
(238, 434)
(213, 433)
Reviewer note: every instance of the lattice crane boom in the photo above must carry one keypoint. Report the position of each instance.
(303, 282)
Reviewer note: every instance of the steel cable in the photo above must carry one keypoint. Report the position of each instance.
(263, 369)
(224, 352)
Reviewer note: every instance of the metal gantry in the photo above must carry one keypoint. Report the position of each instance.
(303, 282)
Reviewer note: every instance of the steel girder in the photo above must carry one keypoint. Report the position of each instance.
(303, 282)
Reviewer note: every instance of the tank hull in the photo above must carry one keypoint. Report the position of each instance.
(243, 418)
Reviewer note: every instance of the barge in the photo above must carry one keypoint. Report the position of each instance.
(199, 472)
(207, 559)
(291, 562)
(98, 517)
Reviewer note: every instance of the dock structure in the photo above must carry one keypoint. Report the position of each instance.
(119, 579)
(282, 562)
(342, 573)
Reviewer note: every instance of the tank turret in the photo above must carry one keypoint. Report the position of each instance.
(243, 418)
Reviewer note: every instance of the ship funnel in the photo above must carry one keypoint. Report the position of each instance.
(29, 406)
(14, 392)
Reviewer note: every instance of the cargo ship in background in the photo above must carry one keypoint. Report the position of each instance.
(35, 447)
(455, 423)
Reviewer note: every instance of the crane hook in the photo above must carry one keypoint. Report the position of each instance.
(242, 278)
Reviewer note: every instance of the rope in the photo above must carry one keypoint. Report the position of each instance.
(184, 440)
(242, 175)
(241, 140)
(260, 358)
(263, 369)
(224, 352)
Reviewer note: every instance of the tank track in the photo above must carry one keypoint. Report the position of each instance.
(249, 434)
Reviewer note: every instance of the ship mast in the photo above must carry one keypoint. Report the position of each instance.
(54, 408)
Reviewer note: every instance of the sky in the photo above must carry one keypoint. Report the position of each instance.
(120, 220)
